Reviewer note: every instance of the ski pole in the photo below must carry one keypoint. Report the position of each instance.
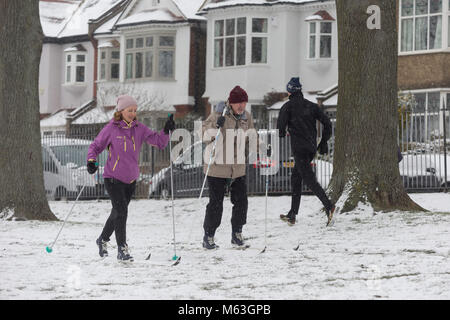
(269, 153)
(49, 249)
(212, 152)
(174, 258)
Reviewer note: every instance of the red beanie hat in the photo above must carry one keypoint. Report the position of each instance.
(238, 95)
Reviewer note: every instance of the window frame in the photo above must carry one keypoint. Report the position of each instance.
(156, 48)
(74, 64)
(262, 35)
(235, 36)
(317, 36)
(445, 25)
(108, 62)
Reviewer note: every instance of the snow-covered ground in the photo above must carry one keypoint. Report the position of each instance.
(386, 256)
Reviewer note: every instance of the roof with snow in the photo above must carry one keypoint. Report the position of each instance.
(68, 18)
(154, 15)
(237, 3)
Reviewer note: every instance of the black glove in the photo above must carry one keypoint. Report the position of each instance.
(92, 167)
(323, 147)
(282, 134)
(269, 150)
(170, 125)
(220, 122)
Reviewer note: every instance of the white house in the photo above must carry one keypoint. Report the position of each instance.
(261, 44)
(95, 50)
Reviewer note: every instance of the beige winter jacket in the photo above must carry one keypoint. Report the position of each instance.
(231, 153)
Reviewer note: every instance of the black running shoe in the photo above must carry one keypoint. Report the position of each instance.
(208, 243)
(287, 218)
(124, 254)
(102, 247)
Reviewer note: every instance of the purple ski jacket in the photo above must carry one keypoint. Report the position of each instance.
(124, 143)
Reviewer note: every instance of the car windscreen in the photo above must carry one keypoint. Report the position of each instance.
(75, 154)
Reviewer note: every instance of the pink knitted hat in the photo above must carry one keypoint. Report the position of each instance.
(124, 102)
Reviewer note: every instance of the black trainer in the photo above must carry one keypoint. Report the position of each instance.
(287, 218)
(237, 239)
(123, 254)
(208, 243)
(102, 247)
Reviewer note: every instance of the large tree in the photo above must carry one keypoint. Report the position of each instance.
(21, 172)
(365, 156)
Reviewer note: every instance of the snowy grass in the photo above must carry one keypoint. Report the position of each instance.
(393, 255)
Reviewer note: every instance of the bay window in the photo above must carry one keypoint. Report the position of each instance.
(320, 36)
(75, 68)
(150, 57)
(109, 64)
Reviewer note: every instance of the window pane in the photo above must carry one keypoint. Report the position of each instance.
(407, 35)
(325, 46)
(421, 7)
(130, 43)
(103, 55)
(115, 71)
(80, 74)
(139, 42)
(218, 28)
(421, 33)
(259, 50)
(166, 41)
(435, 6)
(149, 64)
(138, 65)
(229, 52)
(102, 71)
(434, 101)
(149, 41)
(240, 51)
(241, 26)
(115, 54)
(407, 8)
(435, 32)
(230, 27)
(325, 27)
(68, 78)
(312, 47)
(420, 99)
(166, 64)
(129, 66)
(218, 53)
(69, 58)
(312, 27)
(81, 57)
(259, 25)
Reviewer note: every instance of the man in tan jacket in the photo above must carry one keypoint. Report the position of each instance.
(228, 163)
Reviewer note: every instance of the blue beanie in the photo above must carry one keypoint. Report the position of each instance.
(294, 85)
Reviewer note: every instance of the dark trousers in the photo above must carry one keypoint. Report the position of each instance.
(120, 194)
(214, 209)
(303, 173)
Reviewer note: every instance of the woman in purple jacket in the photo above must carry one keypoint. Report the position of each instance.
(123, 136)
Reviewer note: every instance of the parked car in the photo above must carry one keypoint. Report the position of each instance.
(64, 162)
(419, 171)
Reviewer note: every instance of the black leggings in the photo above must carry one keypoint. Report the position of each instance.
(303, 172)
(120, 194)
(214, 208)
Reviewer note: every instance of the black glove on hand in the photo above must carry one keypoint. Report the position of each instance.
(170, 125)
(220, 122)
(269, 150)
(91, 167)
(323, 147)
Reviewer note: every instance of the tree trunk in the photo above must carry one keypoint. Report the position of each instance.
(365, 157)
(21, 175)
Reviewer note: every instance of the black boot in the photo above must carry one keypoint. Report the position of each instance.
(102, 247)
(208, 242)
(123, 254)
(237, 240)
(290, 219)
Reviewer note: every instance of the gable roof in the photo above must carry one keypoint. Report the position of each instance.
(54, 14)
(189, 8)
